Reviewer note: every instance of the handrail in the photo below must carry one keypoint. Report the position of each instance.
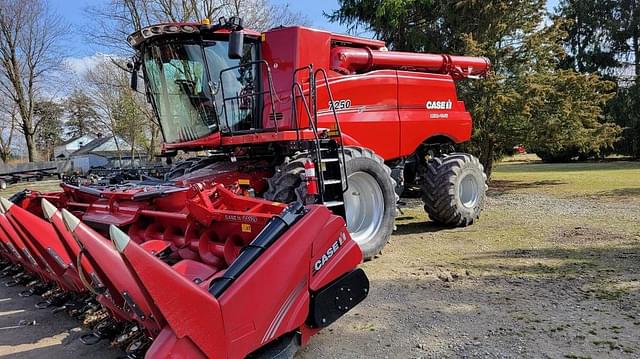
(271, 91)
(309, 69)
(297, 86)
(335, 117)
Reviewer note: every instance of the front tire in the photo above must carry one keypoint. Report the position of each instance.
(370, 201)
(454, 189)
(283, 348)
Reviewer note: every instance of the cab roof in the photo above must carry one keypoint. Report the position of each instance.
(137, 38)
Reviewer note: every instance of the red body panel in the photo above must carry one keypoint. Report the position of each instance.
(390, 102)
(372, 116)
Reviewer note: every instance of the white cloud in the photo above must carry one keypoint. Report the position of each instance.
(80, 65)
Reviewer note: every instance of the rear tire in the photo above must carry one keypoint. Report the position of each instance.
(287, 184)
(454, 189)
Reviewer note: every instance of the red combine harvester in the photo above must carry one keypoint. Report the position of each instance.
(249, 251)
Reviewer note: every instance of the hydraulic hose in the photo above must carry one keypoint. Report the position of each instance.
(276, 226)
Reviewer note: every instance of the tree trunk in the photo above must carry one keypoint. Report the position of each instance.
(487, 155)
(31, 146)
(152, 143)
(636, 54)
(133, 152)
(115, 139)
(634, 10)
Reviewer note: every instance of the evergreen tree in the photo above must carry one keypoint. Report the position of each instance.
(627, 44)
(603, 36)
(49, 118)
(589, 35)
(82, 116)
(526, 95)
(626, 34)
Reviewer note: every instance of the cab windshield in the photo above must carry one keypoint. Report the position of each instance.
(183, 82)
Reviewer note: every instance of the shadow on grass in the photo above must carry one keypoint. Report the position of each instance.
(602, 263)
(569, 167)
(419, 227)
(498, 187)
(621, 192)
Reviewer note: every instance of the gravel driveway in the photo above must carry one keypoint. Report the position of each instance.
(539, 276)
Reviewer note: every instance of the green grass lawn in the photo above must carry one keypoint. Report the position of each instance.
(607, 180)
(554, 241)
(42, 186)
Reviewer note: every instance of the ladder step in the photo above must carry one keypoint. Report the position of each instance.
(334, 203)
(326, 160)
(334, 181)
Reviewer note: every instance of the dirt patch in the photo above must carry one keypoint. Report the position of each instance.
(589, 235)
(539, 276)
(27, 332)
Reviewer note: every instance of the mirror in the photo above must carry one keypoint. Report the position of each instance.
(236, 44)
(134, 80)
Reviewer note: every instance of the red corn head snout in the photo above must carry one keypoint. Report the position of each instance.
(195, 326)
(83, 267)
(45, 242)
(126, 296)
(29, 256)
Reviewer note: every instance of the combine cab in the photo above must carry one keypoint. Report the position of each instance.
(250, 251)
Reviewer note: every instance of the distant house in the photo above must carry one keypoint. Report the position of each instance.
(63, 150)
(104, 152)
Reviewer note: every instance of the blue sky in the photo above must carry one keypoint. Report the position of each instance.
(72, 12)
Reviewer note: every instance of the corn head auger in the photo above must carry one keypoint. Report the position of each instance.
(201, 272)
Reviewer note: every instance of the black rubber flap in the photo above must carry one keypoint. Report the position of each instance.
(337, 298)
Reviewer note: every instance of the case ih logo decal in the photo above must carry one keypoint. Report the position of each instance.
(329, 253)
(439, 105)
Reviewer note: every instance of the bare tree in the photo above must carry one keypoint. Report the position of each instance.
(8, 121)
(119, 18)
(30, 34)
(124, 112)
(103, 85)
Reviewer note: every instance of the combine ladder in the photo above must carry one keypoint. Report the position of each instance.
(327, 152)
